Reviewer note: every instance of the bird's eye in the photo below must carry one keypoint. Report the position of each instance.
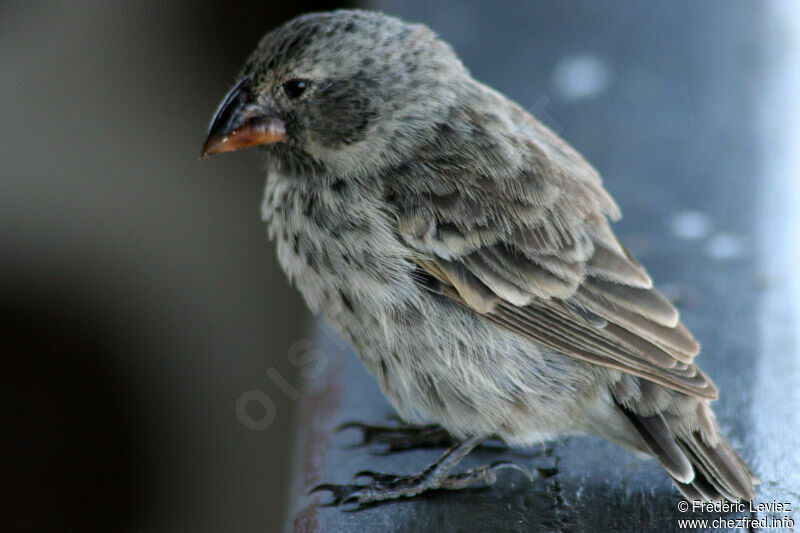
(294, 88)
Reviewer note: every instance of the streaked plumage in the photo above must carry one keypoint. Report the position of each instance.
(465, 251)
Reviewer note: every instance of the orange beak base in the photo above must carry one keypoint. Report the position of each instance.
(254, 133)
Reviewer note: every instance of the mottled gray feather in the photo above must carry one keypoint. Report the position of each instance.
(466, 251)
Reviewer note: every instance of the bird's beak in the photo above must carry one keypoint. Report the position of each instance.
(240, 122)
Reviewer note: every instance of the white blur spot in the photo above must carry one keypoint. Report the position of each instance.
(581, 76)
(691, 225)
(725, 246)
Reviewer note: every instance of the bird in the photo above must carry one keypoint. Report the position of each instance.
(466, 252)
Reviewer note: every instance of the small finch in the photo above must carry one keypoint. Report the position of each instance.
(465, 251)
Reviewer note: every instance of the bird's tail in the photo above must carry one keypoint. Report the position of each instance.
(691, 448)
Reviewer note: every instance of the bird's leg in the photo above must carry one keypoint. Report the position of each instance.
(437, 476)
(402, 437)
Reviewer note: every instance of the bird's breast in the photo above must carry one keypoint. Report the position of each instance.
(337, 243)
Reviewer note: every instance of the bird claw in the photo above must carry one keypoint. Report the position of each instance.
(364, 426)
(376, 477)
(342, 494)
(399, 437)
(382, 487)
(502, 465)
(362, 493)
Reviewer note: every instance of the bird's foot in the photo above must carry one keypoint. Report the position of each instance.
(384, 487)
(401, 437)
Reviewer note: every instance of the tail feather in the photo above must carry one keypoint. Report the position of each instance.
(700, 470)
(698, 489)
(721, 466)
(655, 433)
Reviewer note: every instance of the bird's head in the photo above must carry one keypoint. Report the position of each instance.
(342, 91)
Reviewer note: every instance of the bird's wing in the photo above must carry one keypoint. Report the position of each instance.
(532, 250)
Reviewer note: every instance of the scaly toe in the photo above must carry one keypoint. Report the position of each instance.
(378, 477)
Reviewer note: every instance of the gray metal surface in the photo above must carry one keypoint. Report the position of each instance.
(688, 110)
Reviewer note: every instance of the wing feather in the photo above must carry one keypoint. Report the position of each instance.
(526, 242)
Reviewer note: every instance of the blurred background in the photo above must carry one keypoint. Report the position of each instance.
(141, 301)
(140, 295)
